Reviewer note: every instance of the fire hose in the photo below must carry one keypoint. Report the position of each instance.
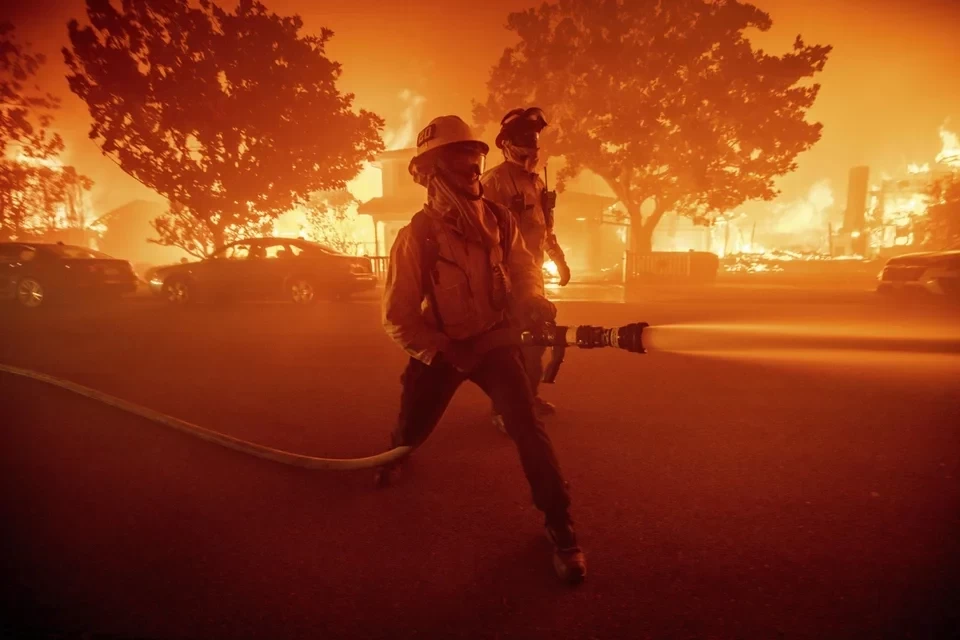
(629, 338)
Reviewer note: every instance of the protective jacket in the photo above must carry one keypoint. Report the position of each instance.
(521, 191)
(463, 285)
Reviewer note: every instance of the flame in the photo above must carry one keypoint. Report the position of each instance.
(51, 163)
(950, 148)
(899, 209)
(405, 135)
(918, 168)
(804, 214)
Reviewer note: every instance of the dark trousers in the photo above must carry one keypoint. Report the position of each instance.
(428, 389)
(533, 364)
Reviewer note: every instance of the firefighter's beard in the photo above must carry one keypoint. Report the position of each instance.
(526, 157)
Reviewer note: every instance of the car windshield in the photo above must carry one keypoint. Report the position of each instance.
(72, 252)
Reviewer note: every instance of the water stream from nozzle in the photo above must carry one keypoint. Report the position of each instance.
(691, 338)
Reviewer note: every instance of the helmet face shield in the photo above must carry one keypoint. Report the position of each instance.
(522, 127)
(536, 117)
(528, 139)
(464, 162)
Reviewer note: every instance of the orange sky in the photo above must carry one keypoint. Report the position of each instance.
(891, 81)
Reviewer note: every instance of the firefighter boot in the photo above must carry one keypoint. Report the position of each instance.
(387, 475)
(568, 559)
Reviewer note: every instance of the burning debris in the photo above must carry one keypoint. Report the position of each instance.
(897, 207)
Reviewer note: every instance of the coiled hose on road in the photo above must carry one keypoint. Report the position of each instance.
(250, 448)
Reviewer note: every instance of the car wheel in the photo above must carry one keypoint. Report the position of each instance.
(30, 293)
(302, 290)
(177, 291)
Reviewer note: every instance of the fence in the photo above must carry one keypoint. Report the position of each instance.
(379, 266)
(658, 266)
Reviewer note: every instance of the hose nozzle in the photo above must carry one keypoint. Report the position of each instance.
(628, 337)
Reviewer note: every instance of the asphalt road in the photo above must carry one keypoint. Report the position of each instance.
(786, 466)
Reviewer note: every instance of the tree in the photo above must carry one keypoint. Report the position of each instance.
(26, 142)
(330, 218)
(235, 116)
(76, 187)
(181, 227)
(25, 112)
(943, 215)
(17, 197)
(40, 196)
(666, 100)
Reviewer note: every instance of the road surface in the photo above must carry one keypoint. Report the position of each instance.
(786, 468)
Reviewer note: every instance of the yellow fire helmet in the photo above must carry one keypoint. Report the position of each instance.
(443, 131)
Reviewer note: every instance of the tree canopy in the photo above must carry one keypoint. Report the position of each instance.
(25, 111)
(666, 100)
(233, 116)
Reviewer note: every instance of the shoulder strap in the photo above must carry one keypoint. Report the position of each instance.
(429, 254)
(503, 223)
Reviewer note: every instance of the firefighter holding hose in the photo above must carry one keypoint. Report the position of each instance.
(454, 272)
(516, 185)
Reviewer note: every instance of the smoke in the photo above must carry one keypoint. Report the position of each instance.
(810, 213)
(405, 135)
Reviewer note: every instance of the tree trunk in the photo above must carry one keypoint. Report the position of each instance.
(641, 236)
(217, 232)
(641, 231)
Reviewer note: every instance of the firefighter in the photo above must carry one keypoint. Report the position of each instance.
(453, 271)
(516, 185)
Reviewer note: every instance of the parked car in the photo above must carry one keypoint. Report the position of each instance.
(935, 272)
(34, 274)
(294, 270)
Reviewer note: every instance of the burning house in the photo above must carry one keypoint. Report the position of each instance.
(401, 198)
(123, 232)
(889, 217)
(592, 233)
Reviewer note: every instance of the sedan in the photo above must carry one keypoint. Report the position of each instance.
(34, 274)
(291, 270)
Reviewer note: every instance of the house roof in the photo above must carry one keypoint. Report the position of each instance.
(149, 209)
(395, 155)
(392, 208)
(579, 198)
